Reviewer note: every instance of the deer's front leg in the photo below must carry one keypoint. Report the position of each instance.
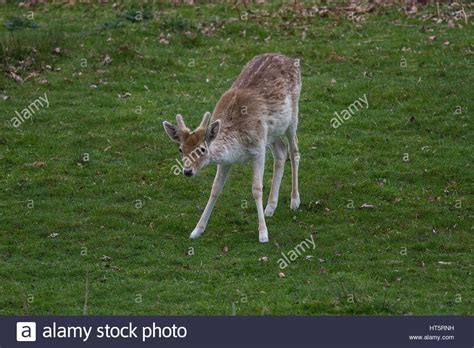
(217, 186)
(257, 188)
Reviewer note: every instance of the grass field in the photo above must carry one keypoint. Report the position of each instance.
(93, 221)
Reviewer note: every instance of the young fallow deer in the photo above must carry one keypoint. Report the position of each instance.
(256, 112)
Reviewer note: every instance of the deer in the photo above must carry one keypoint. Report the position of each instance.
(258, 111)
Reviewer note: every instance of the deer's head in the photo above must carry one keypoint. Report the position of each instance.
(193, 145)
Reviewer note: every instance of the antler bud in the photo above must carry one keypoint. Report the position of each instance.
(205, 120)
(180, 122)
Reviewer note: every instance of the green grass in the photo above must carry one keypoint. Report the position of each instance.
(412, 254)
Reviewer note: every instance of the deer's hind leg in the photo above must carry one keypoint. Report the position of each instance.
(257, 189)
(279, 152)
(294, 157)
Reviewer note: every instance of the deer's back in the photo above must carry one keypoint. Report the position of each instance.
(261, 100)
(274, 76)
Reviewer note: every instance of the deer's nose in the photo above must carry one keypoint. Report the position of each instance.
(188, 172)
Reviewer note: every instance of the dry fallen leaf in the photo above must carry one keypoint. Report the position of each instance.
(57, 50)
(124, 49)
(367, 206)
(281, 275)
(226, 249)
(31, 76)
(446, 43)
(125, 95)
(39, 163)
(263, 258)
(107, 60)
(189, 34)
(164, 41)
(411, 9)
(15, 77)
(335, 57)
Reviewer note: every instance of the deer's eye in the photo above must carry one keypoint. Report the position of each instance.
(181, 151)
(202, 149)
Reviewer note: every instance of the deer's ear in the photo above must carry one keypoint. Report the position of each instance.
(172, 131)
(213, 131)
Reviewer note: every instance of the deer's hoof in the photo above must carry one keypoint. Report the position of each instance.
(196, 233)
(269, 210)
(295, 203)
(263, 238)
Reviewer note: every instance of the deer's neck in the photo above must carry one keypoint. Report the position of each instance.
(226, 149)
